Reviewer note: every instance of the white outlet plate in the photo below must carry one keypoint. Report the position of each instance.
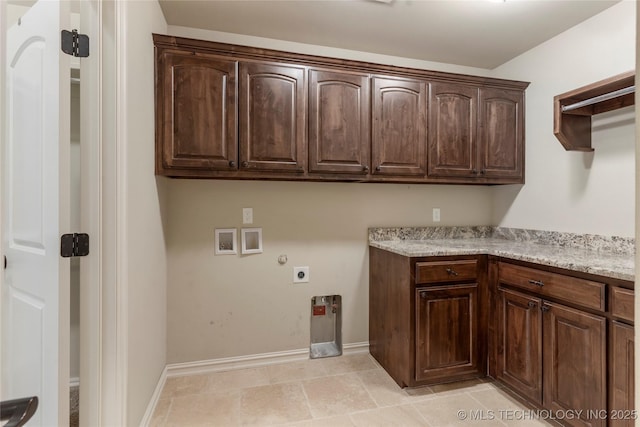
(247, 215)
(300, 274)
(436, 214)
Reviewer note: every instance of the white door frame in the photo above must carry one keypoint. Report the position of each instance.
(103, 328)
(103, 321)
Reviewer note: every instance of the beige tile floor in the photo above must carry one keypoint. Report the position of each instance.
(339, 391)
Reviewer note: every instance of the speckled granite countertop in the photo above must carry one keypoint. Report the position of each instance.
(601, 255)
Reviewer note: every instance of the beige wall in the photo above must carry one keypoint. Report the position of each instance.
(146, 276)
(573, 191)
(232, 305)
(224, 306)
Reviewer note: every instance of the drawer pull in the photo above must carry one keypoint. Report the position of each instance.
(536, 282)
(532, 304)
(452, 272)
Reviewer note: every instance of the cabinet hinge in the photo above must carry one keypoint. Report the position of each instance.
(72, 245)
(74, 43)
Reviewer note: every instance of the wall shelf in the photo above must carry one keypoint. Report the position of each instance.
(572, 110)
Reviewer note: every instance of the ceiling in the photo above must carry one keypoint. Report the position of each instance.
(477, 33)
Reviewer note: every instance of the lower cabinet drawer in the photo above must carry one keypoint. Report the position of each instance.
(621, 303)
(571, 289)
(446, 271)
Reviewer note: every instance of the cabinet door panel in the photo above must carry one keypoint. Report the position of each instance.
(622, 380)
(198, 112)
(272, 117)
(446, 331)
(574, 362)
(452, 130)
(502, 135)
(399, 127)
(339, 117)
(520, 344)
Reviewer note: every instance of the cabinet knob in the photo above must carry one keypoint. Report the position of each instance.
(365, 168)
(377, 168)
(452, 272)
(532, 304)
(545, 308)
(483, 171)
(474, 171)
(232, 164)
(423, 294)
(245, 164)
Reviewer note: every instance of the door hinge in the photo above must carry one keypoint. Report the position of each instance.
(74, 43)
(72, 245)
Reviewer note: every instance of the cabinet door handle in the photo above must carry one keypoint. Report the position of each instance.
(423, 294)
(532, 304)
(377, 168)
(536, 282)
(483, 171)
(365, 168)
(545, 308)
(474, 171)
(452, 272)
(232, 164)
(245, 164)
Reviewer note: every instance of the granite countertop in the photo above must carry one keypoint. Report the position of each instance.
(601, 255)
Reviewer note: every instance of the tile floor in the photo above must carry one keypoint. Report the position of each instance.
(339, 391)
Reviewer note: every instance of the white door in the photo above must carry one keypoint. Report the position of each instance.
(35, 289)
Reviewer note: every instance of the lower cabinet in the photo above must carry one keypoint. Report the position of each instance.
(574, 360)
(552, 335)
(563, 342)
(621, 357)
(446, 332)
(622, 374)
(553, 355)
(520, 342)
(426, 318)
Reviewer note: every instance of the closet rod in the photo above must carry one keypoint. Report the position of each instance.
(599, 98)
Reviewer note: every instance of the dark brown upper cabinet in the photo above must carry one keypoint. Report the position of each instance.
(501, 145)
(272, 117)
(453, 118)
(339, 122)
(196, 112)
(399, 138)
(236, 112)
(476, 134)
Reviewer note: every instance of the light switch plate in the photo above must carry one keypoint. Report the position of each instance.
(247, 215)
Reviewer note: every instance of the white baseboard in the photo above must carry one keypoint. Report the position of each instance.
(252, 361)
(155, 397)
(231, 363)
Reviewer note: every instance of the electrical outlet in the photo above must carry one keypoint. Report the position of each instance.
(436, 214)
(247, 215)
(300, 274)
